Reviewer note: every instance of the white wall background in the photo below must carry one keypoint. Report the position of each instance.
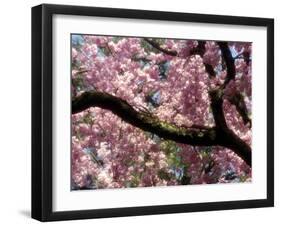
(15, 113)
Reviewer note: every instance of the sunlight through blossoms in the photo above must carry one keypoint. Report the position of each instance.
(166, 84)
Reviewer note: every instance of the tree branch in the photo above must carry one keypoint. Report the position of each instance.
(198, 136)
(231, 140)
(239, 102)
(150, 123)
(199, 49)
(237, 99)
(228, 138)
(229, 61)
(143, 120)
(158, 47)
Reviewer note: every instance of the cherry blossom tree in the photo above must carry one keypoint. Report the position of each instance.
(157, 112)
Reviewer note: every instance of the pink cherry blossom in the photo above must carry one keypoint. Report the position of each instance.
(107, 152)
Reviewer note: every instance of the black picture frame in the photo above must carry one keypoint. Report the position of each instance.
(42, 107)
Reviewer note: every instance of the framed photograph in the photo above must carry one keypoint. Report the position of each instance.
(145, 112)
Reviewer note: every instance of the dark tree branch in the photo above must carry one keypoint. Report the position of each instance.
(217, 108)
(210, 70)
(228, 137)
(143, 120)
(150, 123)
(245, 56)
(199, 49)
(239, 102)
(237, 145)
(81, 72)
(237, 99)
(158, 47)
(229, 61)
(221, 135)
(232, 141)
(136, 58)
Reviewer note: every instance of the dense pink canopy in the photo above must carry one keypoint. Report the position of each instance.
(169, 80)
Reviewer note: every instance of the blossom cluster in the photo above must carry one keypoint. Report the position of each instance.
(110, 153)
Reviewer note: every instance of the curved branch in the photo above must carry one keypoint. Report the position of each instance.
(228, 138)
(217, 108)
(239, 102)
(150, 123)
(220, 135)
(199, 49)
(158, 47)
(232, 141)
(229, 61)
(143, 120)
(237, 99)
